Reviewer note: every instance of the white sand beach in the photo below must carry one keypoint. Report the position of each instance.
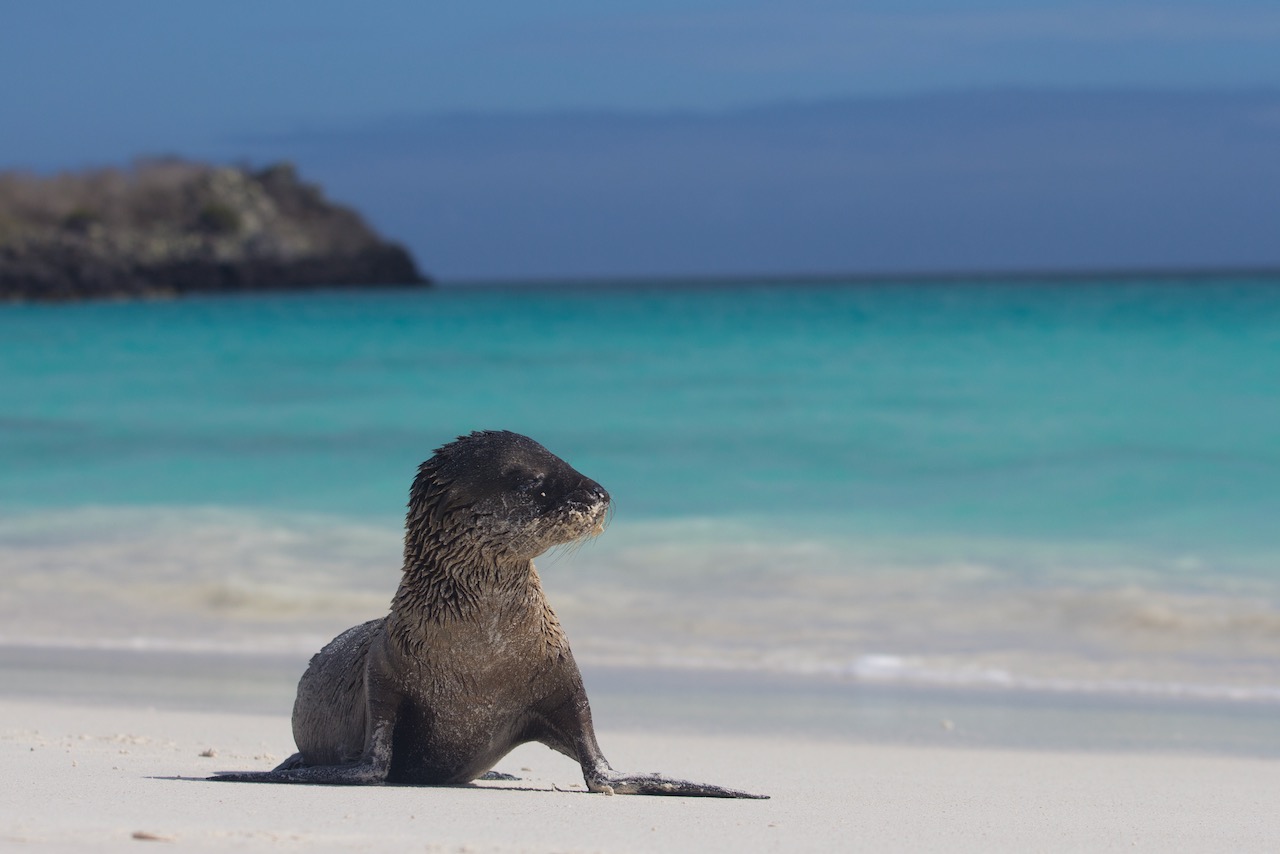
(105, 777)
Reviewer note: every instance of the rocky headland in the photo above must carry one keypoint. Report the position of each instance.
(169, 227)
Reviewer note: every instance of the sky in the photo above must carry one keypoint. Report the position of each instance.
(505, 139)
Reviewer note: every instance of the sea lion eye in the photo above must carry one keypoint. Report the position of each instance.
(534, 484)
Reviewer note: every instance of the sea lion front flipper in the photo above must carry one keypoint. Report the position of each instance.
(618, 783)
(566, 726)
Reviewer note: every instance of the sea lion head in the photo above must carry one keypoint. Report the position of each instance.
(505, 495)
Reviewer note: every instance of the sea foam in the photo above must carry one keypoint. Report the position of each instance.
(682, 594)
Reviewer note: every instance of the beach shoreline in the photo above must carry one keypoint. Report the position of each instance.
(697, 702)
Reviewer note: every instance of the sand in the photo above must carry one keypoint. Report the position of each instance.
(95, 776)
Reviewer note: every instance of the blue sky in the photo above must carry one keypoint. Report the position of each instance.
(336, 87)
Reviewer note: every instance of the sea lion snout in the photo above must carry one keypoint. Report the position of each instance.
(582, 512)
(590, 495)
(601, 513)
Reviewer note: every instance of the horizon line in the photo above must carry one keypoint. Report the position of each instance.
(1030, 275)
(401, 118)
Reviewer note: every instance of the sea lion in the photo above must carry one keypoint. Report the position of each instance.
(471, 661)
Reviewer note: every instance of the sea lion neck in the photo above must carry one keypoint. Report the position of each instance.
(449, 580)
(434, 595)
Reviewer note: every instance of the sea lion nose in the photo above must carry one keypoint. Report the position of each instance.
(598, 493)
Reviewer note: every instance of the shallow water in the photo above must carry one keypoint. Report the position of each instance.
(1067, 486)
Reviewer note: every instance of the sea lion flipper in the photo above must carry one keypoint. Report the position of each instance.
(294, 761)
(332, 775)
(372, 769)
(620, 783)
(570, 730)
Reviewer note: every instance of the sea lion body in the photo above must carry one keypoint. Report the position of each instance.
(471, 660)
(459, 713)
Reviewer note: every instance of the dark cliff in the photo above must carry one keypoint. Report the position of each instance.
(172, 227)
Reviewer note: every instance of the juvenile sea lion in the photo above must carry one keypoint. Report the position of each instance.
(471, 661)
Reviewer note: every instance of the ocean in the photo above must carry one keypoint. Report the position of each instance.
(1060, 485)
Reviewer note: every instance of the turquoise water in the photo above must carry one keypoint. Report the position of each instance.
(1068, 483)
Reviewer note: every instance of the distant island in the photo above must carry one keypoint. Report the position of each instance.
(169, 227)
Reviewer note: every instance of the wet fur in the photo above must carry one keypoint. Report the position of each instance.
(471, 661)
